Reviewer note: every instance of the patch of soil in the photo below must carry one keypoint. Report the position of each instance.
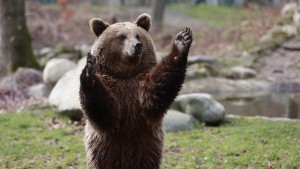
(280, 67)
(49, 26)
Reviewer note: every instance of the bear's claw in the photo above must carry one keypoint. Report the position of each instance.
(184, 40)
(91, 65)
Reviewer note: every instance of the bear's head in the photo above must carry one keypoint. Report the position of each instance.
(123, 49)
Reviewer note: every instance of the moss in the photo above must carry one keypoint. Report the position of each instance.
(24, 52)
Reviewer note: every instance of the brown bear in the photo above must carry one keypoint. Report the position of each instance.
(125, 93)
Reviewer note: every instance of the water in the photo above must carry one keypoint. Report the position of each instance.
(276, 104)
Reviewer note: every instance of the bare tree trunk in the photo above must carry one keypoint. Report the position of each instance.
(15, 44)
(142, 2)
(158, 15)
(122, 2)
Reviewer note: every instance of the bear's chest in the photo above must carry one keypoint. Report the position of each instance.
(126, 93)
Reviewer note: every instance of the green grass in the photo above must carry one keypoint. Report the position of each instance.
(216, 15)
(27, 141)
(34, 140)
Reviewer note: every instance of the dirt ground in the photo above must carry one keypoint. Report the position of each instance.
(48, 26)
(281, 65)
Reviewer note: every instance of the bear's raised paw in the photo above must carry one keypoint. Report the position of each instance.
(184, 40)
(91, 65)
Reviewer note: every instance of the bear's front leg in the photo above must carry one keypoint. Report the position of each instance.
(97, 102)
(163, 83)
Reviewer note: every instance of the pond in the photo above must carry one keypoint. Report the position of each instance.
(269, 104)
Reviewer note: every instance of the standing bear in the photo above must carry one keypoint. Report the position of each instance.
(125, 93)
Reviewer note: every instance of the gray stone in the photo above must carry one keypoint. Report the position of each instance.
(63, 48)
(289, 8)
(239, 72)
(201, 106)
(56, 68)
(85, 49)
(223, 85)
(176, 121)
(292, 45)
(73, 56)
(197, 71)
(21, 79)
(45, 51)
(39, 91)
(2, 111)
(202, 59)
(296, 19)
(65, 94)
(290, 30)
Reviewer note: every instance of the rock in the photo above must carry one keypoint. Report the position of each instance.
(197, 71)
(2, 111)
(239, 72)
(202, 59)
(73, 56)
(222, 85)
(176, 121)
(296, 19)
(39, 91)
(22, 79)
(292, 45)
(274, 38)
(232, 59)
(85, 49)
(44, 55)
(46, 51)
(159, 56)
(201, 106)
(65, 94)
(56, 68)
(289, 8)
(290, 30)
(63, 48)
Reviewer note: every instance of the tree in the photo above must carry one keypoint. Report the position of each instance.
(122, 2)
(15, 43)
(158, 15)
(142, 2)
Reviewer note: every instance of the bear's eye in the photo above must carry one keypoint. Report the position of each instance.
(137, 37)
(122, 36)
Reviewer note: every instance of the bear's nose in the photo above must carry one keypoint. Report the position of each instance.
(138, 48)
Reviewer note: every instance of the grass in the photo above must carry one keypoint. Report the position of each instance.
(41, 139)
(216, 15)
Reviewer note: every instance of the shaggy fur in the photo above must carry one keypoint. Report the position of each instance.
(124, 94)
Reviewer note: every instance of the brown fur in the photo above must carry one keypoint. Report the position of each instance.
(125, 97)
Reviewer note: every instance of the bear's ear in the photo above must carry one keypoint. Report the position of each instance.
(144, 21)
(98, 26)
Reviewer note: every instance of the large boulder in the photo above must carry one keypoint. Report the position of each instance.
(296, 19)
(56, 68)
(44, 55)
(223, 85)
(290, 30)
(63, 48)
(176, 121)
(289, 8)
(202, 106)
(21, 79)
(239, 72)
(13, 88)
(41, 90)
(65, 94)
(196, 71)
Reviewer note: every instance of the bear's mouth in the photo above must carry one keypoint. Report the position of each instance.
(133, 59)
